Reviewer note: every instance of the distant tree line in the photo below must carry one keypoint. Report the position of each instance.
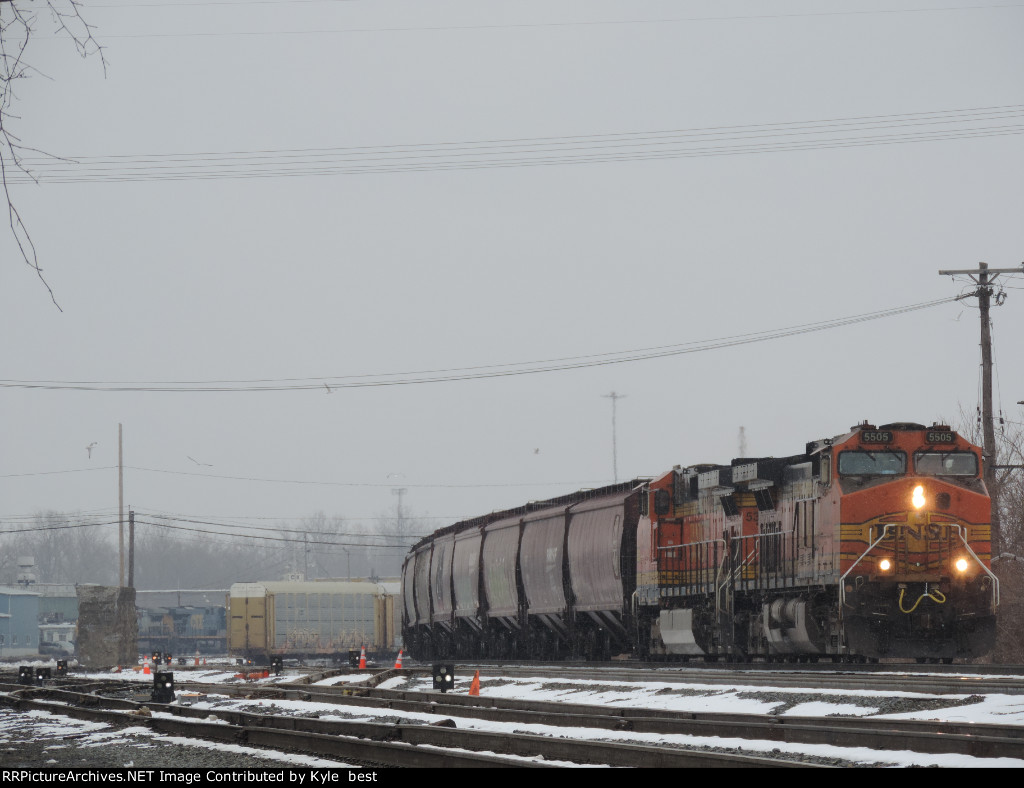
(68, 549)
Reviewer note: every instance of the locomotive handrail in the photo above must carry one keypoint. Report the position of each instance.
(731, 576)
(842, 580)
(719, 588)
(692, 544)
(886, 527)
(992, 577)
(722, 541)
(746, 560)
(718, 568)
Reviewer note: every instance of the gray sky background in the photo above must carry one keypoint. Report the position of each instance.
(448, 185)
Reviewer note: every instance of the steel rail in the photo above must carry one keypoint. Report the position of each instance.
(836, 678)
(385, 744)
(984, 740)
(932, 736)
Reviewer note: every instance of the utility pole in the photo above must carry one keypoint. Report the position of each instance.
(120, 505)
(131, 548)
(984, 276)
(615, 453)
(399, 491)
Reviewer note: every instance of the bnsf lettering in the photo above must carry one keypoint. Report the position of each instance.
(930, 531)
(940, 437)
(877, 436)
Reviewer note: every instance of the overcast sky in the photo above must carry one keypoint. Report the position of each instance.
(319, 193)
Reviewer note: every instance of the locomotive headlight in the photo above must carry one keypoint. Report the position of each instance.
(961, 564)
(918, 497)
(885, 564)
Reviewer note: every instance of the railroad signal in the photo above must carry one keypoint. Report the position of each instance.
(163, 688)
(62, 668)
(353, 658)
(25, 675)
(42, 674)
(444, 677)
(277, 665)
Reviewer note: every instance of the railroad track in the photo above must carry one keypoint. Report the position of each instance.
(932, 736)
(988, 741)
(833, 678)
(932, 679)
(366, 743)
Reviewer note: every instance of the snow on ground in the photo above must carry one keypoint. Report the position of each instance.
(687, 696)
(58, 728)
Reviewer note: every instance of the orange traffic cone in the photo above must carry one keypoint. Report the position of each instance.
(474, 688)
(145, 666)
(398, 662)
(362, 659)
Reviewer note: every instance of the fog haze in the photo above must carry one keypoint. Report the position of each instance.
(517, 230)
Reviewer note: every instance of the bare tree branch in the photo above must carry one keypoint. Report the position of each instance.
(17, 27)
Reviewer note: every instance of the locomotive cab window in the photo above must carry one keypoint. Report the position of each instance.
(946, 463)
(883, 462)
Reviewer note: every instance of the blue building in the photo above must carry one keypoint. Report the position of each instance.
(19, 622)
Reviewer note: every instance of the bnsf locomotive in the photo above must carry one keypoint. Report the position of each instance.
(873, 544)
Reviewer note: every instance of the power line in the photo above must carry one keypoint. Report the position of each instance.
(359, 484)
(163, 518)
(697, 142)
(174, 526)
(483, 485)
(327, 542)
(520, 25)
(469, 373)
(162, 524)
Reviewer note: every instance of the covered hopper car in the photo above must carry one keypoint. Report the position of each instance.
(312, 619)
(872, 544)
